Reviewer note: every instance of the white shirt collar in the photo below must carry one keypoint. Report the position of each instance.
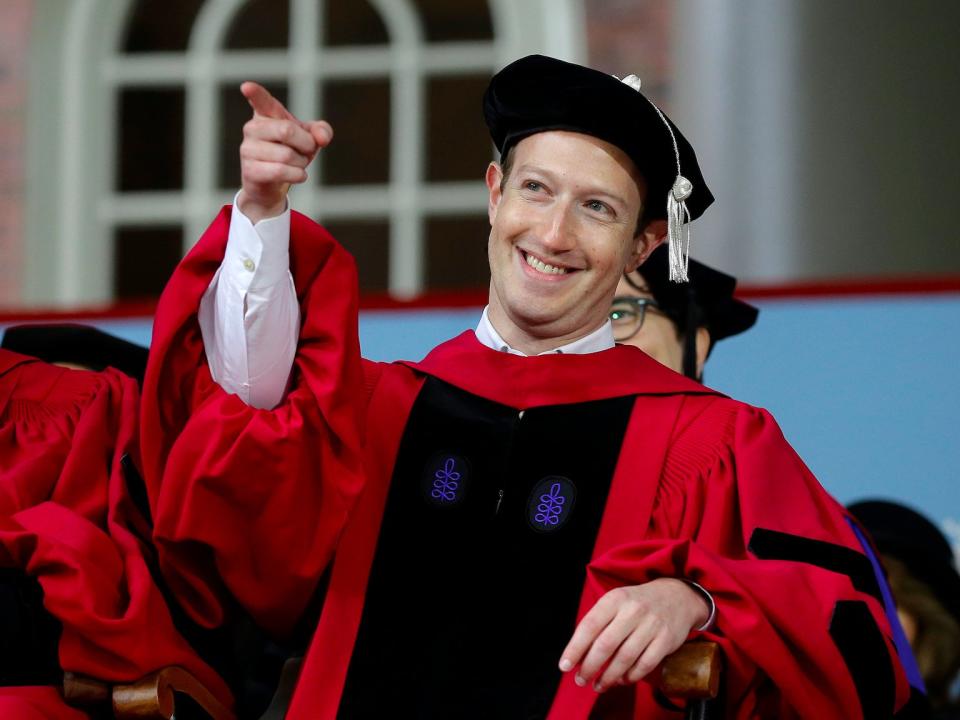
(600, 339)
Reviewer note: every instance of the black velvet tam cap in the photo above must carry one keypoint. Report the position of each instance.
(537, 94)
(706, 301)
(78, 345)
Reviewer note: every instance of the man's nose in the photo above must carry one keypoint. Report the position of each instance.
(560, 233)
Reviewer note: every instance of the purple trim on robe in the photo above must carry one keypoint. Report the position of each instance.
(907, 659)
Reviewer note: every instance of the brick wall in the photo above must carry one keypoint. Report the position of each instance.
(15, 16)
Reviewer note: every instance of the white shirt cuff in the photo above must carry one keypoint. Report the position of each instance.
(259, 254)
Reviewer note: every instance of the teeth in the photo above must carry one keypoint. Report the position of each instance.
(543, 267)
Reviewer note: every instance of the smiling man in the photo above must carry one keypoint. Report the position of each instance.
(528, 516)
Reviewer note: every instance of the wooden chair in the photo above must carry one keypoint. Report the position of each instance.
(691, 674)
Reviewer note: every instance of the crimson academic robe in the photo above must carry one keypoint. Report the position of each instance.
(256, 503)
(67, 520)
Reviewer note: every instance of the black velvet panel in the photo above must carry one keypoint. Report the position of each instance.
(863, 649)
(774, 545)
(490, 521)
(29, 635)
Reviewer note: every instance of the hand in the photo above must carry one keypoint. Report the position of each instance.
(631, 630)
(275, 152)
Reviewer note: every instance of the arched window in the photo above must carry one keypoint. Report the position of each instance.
(150, 150)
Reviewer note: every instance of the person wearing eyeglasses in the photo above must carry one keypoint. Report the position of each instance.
(678, 324)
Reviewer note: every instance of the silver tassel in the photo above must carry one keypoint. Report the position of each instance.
(678, 229)
(678, 217)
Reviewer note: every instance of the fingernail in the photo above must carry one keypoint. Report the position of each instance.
(580, 681)
(597, 687)
(565, 665)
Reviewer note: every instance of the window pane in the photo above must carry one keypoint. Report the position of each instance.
(461, 20)
(459, 146)
(369, 243)
(352, 22)
(160, 25)
(234, 112)
(260, 24)
(150, 156)
(359, 111)
(457, 253)
(144, 258)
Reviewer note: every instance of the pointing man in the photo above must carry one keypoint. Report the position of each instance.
(530, 514)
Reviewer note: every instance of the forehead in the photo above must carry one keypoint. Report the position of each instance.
(580, 157)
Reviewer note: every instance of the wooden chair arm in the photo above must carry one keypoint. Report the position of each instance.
(80, 691)
(692, 672)
(153, 696)
(150, 698)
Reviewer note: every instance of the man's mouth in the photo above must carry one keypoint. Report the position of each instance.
(541, 266)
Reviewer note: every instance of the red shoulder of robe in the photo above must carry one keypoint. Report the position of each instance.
(66, 519)
(697, 476)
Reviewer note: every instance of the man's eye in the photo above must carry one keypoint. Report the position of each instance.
(597, 206)
(618, 315)
(532, 185)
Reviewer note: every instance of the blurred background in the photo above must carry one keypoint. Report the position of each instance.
(827, 130)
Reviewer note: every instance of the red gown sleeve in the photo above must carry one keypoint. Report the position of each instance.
(249, 503)
(738, 512)
(67, 519)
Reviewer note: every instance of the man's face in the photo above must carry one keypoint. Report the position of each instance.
(658, 336)
(563, 229)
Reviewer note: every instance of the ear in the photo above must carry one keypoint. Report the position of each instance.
(702, 349)
(493, 178)
(653, 234)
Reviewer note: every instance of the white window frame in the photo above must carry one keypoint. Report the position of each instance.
(71, 244)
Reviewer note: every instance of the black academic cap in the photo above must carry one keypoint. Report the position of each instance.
(79, 345)
(908, 536)
(537, 94)
(708, 295)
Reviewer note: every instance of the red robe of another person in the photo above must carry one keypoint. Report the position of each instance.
(67, 520)
(258, 503)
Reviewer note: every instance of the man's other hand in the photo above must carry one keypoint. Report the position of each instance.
(631, 630)
(275, 152)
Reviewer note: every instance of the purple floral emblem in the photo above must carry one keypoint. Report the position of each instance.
(550, 503)
(446, 482)
(550, 507)
(444, 479)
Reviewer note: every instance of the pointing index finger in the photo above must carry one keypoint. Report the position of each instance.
(263, 103)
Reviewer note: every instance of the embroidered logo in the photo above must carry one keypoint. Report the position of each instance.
(445, 478)
(550, 503)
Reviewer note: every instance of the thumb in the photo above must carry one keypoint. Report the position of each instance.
(263, 103)
(321, 131)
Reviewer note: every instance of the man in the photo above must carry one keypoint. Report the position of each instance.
(678, 324)
(528, 514)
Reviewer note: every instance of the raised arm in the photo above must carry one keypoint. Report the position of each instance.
(248, 503)
(249, 316)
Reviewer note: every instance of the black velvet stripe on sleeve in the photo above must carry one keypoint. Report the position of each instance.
(859, 641)
(775, 545)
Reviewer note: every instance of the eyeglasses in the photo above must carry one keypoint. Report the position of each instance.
(627, 313)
